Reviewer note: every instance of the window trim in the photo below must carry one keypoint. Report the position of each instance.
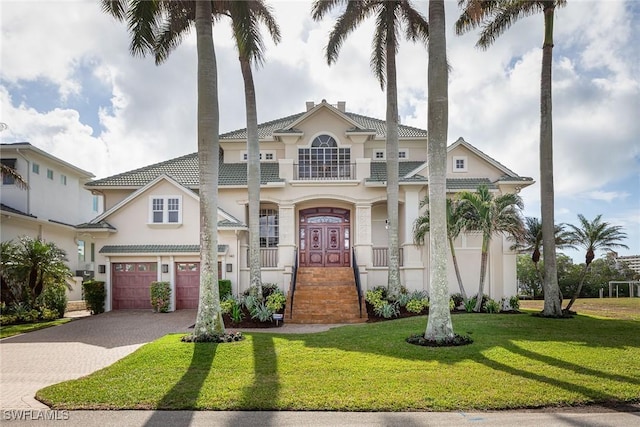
(454, 165)
(264, 154)
(63, 179)
(50, 174)
(35, 168)
(382, 153)
(165, 211)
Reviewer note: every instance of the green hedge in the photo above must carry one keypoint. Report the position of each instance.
(94, 295)
(225, 287)
(160, 296)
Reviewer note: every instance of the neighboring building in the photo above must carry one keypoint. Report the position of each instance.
(323, 205)
(632, 261)
(51, 207)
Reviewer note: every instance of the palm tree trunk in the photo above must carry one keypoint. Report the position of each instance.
(457, 269)
(209, 317)
(439, 325)
(483, 272)
(552, 298)
(393, 185)
(253, 175)
(576, 294)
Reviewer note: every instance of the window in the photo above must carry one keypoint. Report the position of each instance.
(166, 210)
(459, 164)
(63, 179)
(378, 154)
(95, 203)
(50, 174)
(324, 160)
(35, 168)
(268, 228)
(266, 155)
(7, 179)
(402, 154)
(93, 252)
(81, 253)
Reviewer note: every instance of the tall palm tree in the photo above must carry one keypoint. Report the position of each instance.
(592, 236)
(7, 171)
(531, 241)
(157, 27)
(390, 17)
(439, 326)
(495, 17)
(245, 19)
(491, 215)
(455, 225)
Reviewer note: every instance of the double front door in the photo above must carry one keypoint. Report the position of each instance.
(324, 237)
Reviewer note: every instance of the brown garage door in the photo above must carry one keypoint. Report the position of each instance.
(131, 283)
(188, 284)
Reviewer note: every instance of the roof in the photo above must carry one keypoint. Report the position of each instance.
(379, 171)
(129, 249)
(29, 147)
(185, 170)
(14, 211)
(365, 123)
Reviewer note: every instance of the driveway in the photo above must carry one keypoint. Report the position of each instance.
(35, 360)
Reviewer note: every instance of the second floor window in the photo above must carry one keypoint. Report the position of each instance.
(324, 160)
(268, 228)
(166, 210)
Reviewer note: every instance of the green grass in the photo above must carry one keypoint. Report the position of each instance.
(613, 308)
(11, 330)
(516, 361)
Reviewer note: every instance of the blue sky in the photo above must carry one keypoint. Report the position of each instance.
(69, 86)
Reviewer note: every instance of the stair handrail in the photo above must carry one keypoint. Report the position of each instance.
(294, 276)
(356, 274)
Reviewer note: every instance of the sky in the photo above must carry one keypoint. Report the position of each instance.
(69, 86)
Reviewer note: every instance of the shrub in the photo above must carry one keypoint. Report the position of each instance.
(216, 338)
(276, 301)
(492, 306)
(261, 312)
(8, 319)
(417, 305)
(236, 313)
(227, 304)
(376, 297)
(514, 302)
(452, 304)
(54, 297)
(387, 310)
(470, 304)
(403, 298)
(160, 293)
(94, 295)
(47, 314)
(23, 312)
(457, 299)
(225, 287)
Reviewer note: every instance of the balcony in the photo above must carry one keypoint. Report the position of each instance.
(268, 257)
(324, 172)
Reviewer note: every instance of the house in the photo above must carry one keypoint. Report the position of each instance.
(54, 203)
(323, 212)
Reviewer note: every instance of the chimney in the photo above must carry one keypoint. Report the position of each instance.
(310, 105)
(342, 106)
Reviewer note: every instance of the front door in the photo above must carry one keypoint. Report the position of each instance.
(324, 237)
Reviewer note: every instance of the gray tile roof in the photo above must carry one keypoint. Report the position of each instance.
(379, 171)
(469, 183)
(185, 170)
(100, 224)
(122, 249)
(266, 130)
(14, 211)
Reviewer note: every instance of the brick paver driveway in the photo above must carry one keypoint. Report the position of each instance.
(32, 361)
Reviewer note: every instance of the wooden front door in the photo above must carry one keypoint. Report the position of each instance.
(324, 237)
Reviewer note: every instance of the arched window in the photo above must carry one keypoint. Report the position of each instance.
(324, 160)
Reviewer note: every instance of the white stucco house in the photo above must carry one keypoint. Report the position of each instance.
(55, 202)
(323, 209)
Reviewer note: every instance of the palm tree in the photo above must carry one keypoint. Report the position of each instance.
(594, 235)
(439, 326)
(531, 241)
(7, 171)
(455, 224)
(390, 17)
(245, 17)
(157, 27)
(495, 17)
(491, 215)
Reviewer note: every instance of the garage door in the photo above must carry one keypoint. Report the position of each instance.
(188, 284)
(131, 283)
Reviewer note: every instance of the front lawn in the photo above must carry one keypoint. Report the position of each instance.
(614, 308)
(516, 361)
(11, 330)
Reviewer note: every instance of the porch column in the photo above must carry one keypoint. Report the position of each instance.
(287, 237)
(362, 230)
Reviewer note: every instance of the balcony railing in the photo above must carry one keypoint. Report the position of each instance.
(381, 257)
(268, 257)
(305, 171)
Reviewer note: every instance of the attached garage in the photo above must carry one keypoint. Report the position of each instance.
(130, 284)
(187, 284)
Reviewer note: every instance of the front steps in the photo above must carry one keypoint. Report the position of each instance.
(325, 295)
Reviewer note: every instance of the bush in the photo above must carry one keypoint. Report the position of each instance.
(47, 314)
(492, 306)
(160, 293)
(53, 297)
(376, 297)
(8, 319)
(514, 302)
(387, 310)
(276, 301)
(457, 299)
(225, 287)
(94, 295)
(417, 305)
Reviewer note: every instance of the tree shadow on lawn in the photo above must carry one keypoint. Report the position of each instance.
(184, 394)
(494, 332)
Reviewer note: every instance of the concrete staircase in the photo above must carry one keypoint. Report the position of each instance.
(325, 295)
